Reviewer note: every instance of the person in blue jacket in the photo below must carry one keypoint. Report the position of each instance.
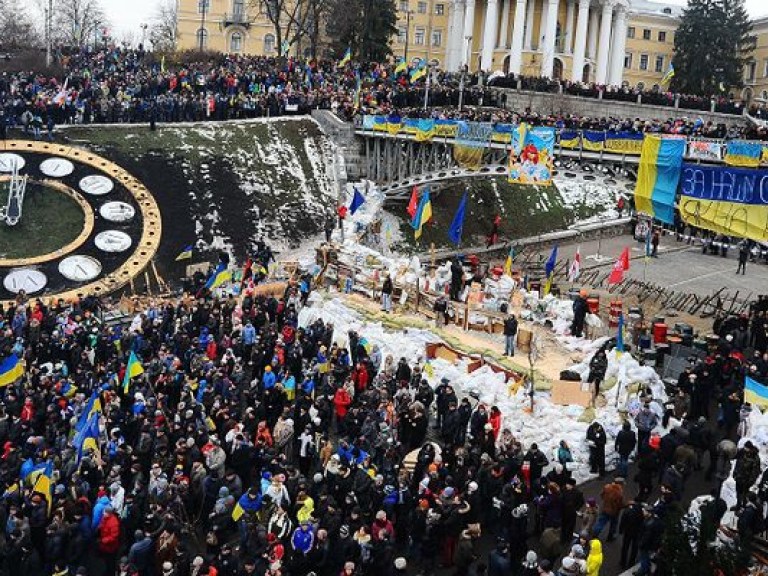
(303, 539)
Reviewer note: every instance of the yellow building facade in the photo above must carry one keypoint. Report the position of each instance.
(605, 41)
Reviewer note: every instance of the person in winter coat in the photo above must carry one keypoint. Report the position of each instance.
(108, 539)
(341, 402)
(598, 366)
(141, 553)
(613, 502)
(646, 420)
(631, 529)
(625, 445)
(580, 309)
(595, 558)
(499, 561)
(746, 471)
(510, 332)
(572, 501)
(386, 293)
(596, 440)
(303, 538)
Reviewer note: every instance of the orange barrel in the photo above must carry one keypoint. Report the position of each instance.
(616, 309)
(659, 333)
(593, 303)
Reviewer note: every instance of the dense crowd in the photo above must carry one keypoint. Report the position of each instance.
(130, 86)
(250, 445)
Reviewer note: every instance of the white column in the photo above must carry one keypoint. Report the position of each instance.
(619, 44)
(569, 14)
(455, 29)
(604, 47)
(466, 39)
(548, 43)
(504, 28)
(516, 52)
(594, 24)
(489, 34)
(529, 23)
(580, 42)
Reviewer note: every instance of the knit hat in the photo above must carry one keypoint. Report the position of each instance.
(400, 563)
(577, 550)
(448, 492)
(531, 560)
(344, 531)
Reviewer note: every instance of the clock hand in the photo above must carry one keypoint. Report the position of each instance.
(81, 270)
(32, 280)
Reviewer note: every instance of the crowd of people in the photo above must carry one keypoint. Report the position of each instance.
(250, 445)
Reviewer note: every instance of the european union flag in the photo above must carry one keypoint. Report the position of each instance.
(457, 226)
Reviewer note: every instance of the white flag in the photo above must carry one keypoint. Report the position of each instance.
(575, 270)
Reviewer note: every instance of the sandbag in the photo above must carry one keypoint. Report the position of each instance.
(570, 376)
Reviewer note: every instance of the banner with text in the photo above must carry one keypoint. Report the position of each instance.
(705, 150)
(731, 201)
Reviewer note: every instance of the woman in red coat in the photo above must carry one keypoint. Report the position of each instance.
(341, 400)
(108, 534)
(495, 421)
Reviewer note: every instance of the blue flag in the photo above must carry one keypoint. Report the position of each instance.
(457, 226)
(357, 201)
(549, 267)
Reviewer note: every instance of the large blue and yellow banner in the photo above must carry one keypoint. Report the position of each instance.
(533, 163)
(624, 142)
(660, 165)
(471, 140)
(570, 139)
(592, 140)
(731, 201)
(743, 153)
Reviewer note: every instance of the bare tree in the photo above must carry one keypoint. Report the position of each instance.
(163, 33)
(76, 22)
(16, 28)
(293, 20)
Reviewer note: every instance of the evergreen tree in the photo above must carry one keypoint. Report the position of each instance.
(365, 26)
(712, 44)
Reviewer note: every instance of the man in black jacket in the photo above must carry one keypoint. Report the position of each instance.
(510, 331)
(572, 501)
(631, 528)
(596, 439)
(580, 310)
(626, 440)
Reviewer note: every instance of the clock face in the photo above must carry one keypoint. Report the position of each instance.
(112, 241)
(9, 161)
(57, 167)
(117, 212)
(80, 268)
(28, 279)
(87, 225)
(96, 185)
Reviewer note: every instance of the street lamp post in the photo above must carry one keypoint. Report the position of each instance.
(407, 32)
(203, 10)
(431, 66)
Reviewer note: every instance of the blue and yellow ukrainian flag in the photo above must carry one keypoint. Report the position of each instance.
(218, 277)
(346, 58)
(44, 485)
(419, 72)
(549, 271)
(93, 406)
(88, 437)
(11, 369)
(743, 153)
(592, 140)
(394, 124)
(755, 393)
(402, 66)
(660, 167)
(133, 369)
(185, 254)
(423, 213)
(508, 262)
(569, 139)
(669, 75)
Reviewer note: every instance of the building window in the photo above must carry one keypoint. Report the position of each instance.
(203, 6)
(631, 32)
(751, 67)
(401, 34)
(421, 7)
(236, 42)
(765, 69)
(643, 61)
(659, 65)
(403, 5)
(269, 43)
(439, 9)
(646, 34)
(202, 38)
(764, 95)
(628, 60)
(418, 36)
(437, 38)
(662, 36)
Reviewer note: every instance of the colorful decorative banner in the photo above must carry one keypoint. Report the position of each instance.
(533, 164)
(743, 153)
(446, 128)
(569, 139)
(657, 178)
(592, 140)
(624, 142)
(471, 141)
(705, 150)
(731, 201)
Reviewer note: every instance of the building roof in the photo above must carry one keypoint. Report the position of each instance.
(656, 9)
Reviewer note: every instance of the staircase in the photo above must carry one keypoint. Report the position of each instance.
(343, 135)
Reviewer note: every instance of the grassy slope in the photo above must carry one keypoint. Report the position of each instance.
(525, 211)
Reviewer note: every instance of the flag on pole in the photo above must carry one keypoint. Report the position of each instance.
(419, 72)
(755, 393)
(218, 277)
(549, 270)
(346, 58)
(620, 335)
(134, 368)
(11, 369)
(357, 201)
(413, 203)
(617, 272)
(423, 213)
(509, 260)
(669, 75)
(575, 270)
(44, 485)
(624, 259)
(185, 254)
(93, 406)
(457, 226)
(87, 438)
(402, 66)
